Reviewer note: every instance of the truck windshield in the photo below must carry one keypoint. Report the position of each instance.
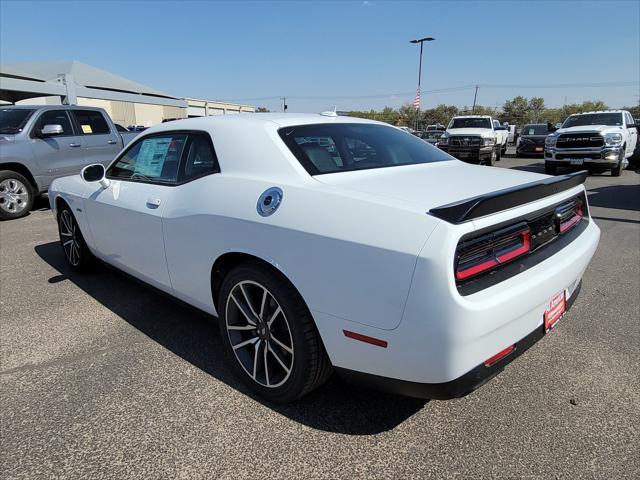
(470, 123)
(344, 147)
(612, 119)
(13, 120)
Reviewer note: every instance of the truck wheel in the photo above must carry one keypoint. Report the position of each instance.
(503, 150)
(617, 170)
(499, 155)
(550, 169)
(16, 195)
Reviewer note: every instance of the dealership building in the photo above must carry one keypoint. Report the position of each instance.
(127, 102)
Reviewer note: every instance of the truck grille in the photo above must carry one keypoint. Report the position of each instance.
(579, 140)
(462, 141)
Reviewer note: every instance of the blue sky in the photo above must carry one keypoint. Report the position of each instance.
(341, 51)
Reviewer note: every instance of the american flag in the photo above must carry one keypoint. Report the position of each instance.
(416, 101)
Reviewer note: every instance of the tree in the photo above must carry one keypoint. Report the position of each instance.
(535, 110)
(516, 111)
(262, 109)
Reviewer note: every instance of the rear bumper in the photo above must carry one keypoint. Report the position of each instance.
(457, 388)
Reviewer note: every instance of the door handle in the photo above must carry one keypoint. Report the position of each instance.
(75, 145)
(153, 202)
(112, 142)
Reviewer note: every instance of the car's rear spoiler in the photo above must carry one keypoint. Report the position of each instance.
(465, 210)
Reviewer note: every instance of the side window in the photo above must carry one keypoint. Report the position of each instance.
(91, 122)
(629, 118)
(201, 158)
(153, 159)
(55, 117)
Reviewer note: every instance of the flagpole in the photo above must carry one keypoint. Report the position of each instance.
(417, 100)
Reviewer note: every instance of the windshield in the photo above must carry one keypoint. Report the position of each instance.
(470, 122)
(327, 148)
(12, 120)
(612, 119)
(535, 130)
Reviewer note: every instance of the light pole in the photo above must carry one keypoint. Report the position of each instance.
(417, 101)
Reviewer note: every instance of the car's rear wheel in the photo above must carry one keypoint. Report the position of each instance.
(269, 334)
(16, 195)
(75, 250)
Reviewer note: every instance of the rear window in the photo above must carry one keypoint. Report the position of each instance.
(91, 122)
(327, 148)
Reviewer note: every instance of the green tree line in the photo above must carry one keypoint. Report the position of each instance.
(517, 111)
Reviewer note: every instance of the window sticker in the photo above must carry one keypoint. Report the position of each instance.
(151, 158)
(86, 129)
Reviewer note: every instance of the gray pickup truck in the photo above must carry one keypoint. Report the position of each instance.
(40, 143)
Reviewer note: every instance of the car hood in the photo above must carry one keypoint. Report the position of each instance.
(485, 132)
(590, 128)
(430, 185)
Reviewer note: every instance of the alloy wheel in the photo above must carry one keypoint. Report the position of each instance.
(14, 196)
(69, 238)
(259, 334)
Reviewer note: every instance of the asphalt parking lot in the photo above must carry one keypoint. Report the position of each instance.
(103, 377)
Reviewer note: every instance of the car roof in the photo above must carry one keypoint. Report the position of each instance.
(256, 119)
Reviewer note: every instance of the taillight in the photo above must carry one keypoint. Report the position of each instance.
(567, 216)
(488, 251)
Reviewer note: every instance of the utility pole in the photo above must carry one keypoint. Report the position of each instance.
(475, 96)
(284, 104)
(417, 102)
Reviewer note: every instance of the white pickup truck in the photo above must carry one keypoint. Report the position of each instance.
(599, 141)
(475, 139)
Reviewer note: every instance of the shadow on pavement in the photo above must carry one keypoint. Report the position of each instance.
(194, 336)
(536, 167)
(622, 197)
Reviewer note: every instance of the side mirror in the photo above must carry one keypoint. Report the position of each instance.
(51, 130)
(95, 173)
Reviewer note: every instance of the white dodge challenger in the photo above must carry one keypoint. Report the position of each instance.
(326, 243)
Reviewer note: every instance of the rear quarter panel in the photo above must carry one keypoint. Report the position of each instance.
(347, 256)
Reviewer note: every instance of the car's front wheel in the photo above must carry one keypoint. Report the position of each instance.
(617, 170)
(16, 195)
(269, 334)
(75, 249)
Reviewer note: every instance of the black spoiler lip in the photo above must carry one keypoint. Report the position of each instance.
(482, 205)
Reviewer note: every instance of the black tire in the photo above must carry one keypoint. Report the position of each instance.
(503, 150)
(16, 195)
(74, 248)
(518, 154)
(550, 169)
(499, 155)
(617, 170)
(309, 365)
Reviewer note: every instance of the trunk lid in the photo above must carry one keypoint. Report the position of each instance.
(430, 185)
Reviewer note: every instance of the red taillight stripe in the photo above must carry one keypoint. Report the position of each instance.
(499, 356)
(365, 338)
(571, 222)
(493, 262)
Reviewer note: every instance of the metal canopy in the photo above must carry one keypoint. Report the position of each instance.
(72, 79)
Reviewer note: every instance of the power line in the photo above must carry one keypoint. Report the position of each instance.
(446, 90)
